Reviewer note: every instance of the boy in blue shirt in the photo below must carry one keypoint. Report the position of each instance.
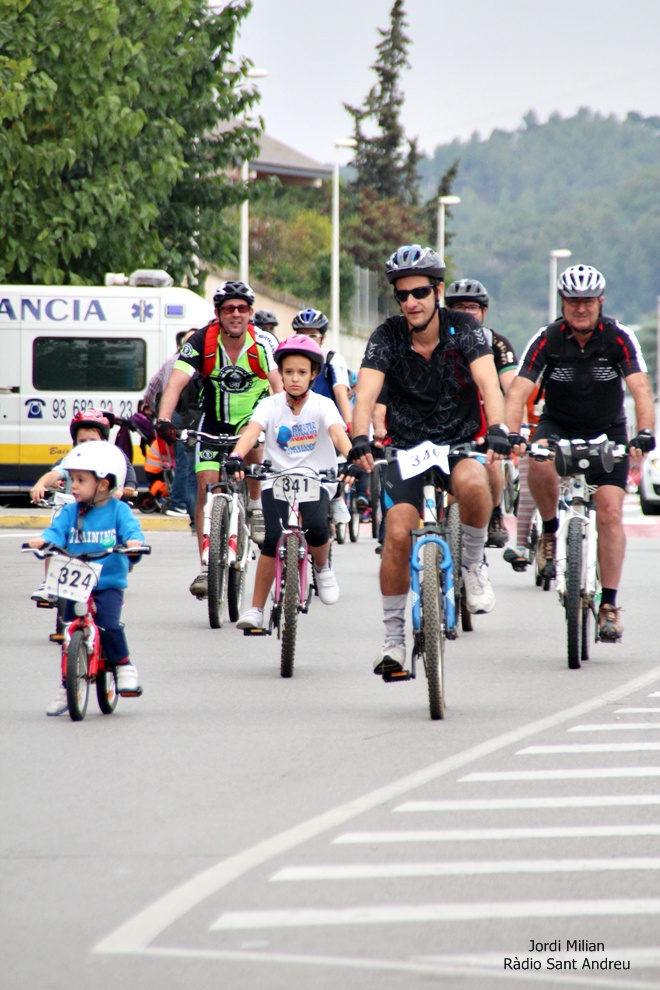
(97, 521)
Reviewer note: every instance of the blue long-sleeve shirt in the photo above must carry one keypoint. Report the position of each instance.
(103, 527)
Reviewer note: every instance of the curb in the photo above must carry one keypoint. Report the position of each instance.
(148, 523)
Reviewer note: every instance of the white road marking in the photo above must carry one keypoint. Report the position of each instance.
(136, 933)
(397, 914)
(637, 711)
(435, 966)
(378, 871)
(560, 801)
(579, 774)
(495, 834)
(615, 727)
(625, 747)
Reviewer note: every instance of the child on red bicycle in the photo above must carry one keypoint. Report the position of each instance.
(302, 429)
(97, 521)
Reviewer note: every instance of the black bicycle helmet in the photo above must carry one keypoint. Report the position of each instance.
(233, 290)
(581, 282)
(310, 319)
(466, 290)
(264, 318)
(413, 259)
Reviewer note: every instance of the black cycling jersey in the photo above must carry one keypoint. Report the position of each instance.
(430, 400)
(503, 352)
(584, 390)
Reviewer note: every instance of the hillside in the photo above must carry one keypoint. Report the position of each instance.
(587, 183)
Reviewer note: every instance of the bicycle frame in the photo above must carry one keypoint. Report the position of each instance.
(430, 533)
(576, 500)
(236, 519)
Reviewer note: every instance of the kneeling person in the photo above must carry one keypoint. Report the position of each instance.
(302, 429)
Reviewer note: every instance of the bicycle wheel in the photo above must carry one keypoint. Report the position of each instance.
(586, 635)
(433, 630)
(218, 576)
(106, 691)
(573, 602)
(77, 684)
(455, 540)
(354, 524)
(511, 488)
(340, 532)
(289, 605)
(236, 579)
(374, 498)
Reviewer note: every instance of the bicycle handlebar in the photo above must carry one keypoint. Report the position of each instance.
(52, 550)
(265, 472)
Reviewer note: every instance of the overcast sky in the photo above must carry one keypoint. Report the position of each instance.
(475, 65)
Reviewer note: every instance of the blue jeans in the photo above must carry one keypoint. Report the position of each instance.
(184, 486)
(108, 618)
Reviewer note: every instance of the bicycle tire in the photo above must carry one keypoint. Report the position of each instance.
(455, 540)
(106, 691)
(354, 524)
(573, 599)
(77, 682)
(509, 493)
(147, 503)
(340, 532)
(236, 577)
(374, 498)
(218, 569)
(433, 631)
(586, 635)
(289, 605)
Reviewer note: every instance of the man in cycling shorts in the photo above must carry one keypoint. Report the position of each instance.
(435, 365)
(581, 360)
(236, 363)
(467, 295)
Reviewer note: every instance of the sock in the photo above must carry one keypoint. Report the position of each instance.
(608, 597)
(551, 526)
(474, 540)
(394, 620)
(254, 503)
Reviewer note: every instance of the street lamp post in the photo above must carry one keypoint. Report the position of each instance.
(244, 256)
(334, 292)
(443, 203)
(552, 296)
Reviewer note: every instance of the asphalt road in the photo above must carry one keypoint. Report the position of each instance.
(234, 829)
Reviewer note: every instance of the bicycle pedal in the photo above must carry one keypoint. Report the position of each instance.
(131, 694)
(46, 604)
(397, 675)
(256, 632)
(56, 637)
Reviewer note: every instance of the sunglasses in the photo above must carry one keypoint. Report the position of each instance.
(420, 293)
(241, 308)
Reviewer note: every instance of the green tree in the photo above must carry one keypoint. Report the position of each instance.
(110, 154)
(382, 162)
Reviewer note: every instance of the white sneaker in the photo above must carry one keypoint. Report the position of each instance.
(339, 511)
(326, 585)
(127, 677)
(479, 594)
(252, 619)
(59, 705)
(42, 596)
(391, 659)
(257, 526)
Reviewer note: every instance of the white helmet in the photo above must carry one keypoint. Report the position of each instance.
(102, 458)
(580, 282)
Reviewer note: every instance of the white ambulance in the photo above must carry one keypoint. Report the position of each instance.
(66, 348)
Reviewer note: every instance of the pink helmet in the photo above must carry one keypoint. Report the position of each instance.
(300, 344)
(95, 419)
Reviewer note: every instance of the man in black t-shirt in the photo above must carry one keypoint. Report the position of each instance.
(582, 360)
(434, 368)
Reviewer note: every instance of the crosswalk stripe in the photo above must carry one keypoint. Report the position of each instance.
(637, 711)
(397, 914)
(625, 747)
(559, 801)
(614, 727)
(577, 774)
(371, 871)
(493, 834)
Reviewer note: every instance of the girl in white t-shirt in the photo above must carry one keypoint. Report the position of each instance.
(302, 429)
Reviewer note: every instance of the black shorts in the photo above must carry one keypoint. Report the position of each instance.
(411, 491)
(547, 429)
(276, 515)
(207, 456)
